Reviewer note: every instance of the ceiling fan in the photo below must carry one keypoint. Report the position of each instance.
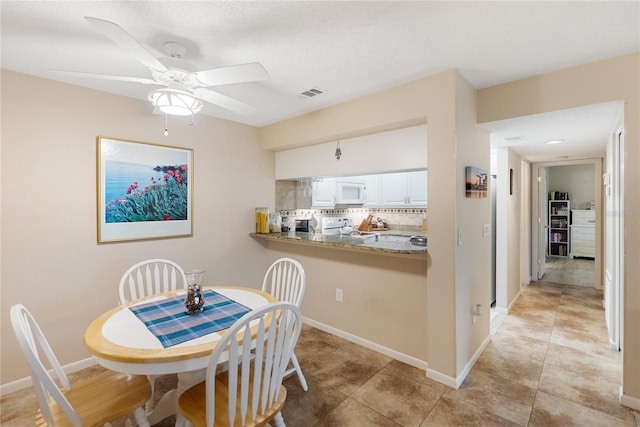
(184, 88)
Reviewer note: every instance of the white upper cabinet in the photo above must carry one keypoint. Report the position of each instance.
(417, 188)
(394, 189)
(404, 189)
(400, 189)
(324, 193)
(372, 192)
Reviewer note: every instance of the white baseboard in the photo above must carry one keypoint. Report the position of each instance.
(442, 378)
(629, 402)
(26, 382)
(501, 310)
(409, 360)
(505, 311)
(457, 382)
(517, 297)
(474, 359)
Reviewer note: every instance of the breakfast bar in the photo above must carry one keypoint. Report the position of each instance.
(375, 243)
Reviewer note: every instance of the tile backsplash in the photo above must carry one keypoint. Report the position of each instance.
(401, 219)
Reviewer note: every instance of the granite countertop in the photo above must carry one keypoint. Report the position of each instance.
(388, 243)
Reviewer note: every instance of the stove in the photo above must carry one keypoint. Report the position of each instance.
(337, 225)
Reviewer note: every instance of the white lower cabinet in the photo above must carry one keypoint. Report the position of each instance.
(583, 233)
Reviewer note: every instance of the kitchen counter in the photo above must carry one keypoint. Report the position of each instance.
(386, 244)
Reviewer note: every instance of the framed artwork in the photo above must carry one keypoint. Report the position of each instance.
(476, 182)
(145, 190)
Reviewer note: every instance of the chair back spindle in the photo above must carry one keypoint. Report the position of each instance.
(150, 277)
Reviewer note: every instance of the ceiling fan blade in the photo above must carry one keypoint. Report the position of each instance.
(120, 37)
(224, 101)
(251, 72)
(143, 80)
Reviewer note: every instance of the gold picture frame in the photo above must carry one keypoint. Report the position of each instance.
(144, 190)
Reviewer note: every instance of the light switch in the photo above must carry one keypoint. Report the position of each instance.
(459, 237)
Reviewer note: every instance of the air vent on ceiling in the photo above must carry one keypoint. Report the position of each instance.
(310, 93)
(516, 140)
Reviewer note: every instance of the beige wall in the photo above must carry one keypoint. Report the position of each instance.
(604, 81)
(50, 259)
(384, 297)
(431, 100)
(508, 239)
(473, 256)
(399, 149)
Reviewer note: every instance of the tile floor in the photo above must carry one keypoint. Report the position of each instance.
(572, 271)
(548, 364)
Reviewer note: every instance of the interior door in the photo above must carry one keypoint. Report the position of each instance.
(542, 220)
(615, 276)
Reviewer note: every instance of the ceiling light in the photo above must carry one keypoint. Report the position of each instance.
(555, 141)
(338, 152)
(175, 102)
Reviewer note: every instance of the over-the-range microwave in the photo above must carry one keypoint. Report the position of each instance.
(350, 193)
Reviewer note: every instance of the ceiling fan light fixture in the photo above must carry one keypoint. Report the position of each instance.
(175, 102)
(554, 141)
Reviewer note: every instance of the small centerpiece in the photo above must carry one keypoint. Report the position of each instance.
(194, 301)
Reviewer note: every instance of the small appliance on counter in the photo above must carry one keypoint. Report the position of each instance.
(275, 223)
(337, 225)
(302, 225)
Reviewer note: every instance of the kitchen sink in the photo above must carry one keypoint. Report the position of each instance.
(393, 241)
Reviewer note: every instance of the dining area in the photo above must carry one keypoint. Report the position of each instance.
(226, 349)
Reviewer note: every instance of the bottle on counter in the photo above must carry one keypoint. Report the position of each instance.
(262, 220)
(275, 223)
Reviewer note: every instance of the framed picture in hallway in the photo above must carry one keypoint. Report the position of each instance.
(476, 182)
(144, 190)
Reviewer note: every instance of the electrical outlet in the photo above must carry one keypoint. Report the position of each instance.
(338, 294)
(485, 230)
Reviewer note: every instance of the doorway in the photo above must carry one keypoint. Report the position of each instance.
(568, 228)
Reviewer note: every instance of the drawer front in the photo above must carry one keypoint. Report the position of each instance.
(579, 217)
(575, 246)
(582, 235)
(590, 252)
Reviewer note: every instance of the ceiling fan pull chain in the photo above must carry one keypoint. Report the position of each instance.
(166, 128)
(193, 120)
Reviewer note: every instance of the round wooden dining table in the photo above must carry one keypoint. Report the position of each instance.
(121, 342)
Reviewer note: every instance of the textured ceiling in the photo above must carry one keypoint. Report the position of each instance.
(345, 48)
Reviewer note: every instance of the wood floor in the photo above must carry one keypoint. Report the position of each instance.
(548, 364)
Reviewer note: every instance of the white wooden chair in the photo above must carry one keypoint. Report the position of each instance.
(256, 349)
(285, 279)
(149, 277)
(88, 402)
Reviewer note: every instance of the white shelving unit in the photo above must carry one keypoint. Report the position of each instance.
(559, 220)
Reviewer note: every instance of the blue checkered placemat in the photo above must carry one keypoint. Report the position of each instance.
(167, 319)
